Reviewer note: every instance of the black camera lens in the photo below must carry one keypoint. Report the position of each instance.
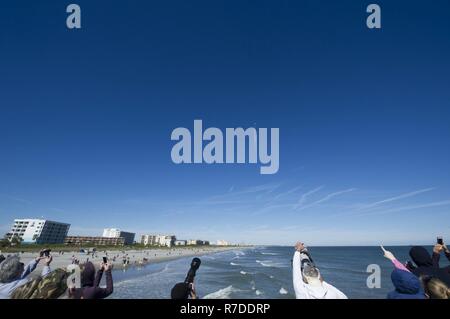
(196, 263)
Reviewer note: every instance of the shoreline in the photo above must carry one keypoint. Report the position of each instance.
(134, 257)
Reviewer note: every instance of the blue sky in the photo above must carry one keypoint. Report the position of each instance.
(86, 118)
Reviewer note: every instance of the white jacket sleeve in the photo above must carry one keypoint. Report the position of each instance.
(336, 293)
(297, 277)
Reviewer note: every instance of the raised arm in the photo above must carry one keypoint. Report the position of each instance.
(394, 260)
(30, 267)
(447, 252)
(437, 249)
(98, 277)
(399, 265)
(297, 276)
(101, 293)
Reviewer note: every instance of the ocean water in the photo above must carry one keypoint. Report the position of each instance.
(261, 272)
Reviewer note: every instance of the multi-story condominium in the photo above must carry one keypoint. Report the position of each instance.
(117, 233)
(197, 242)
(222, 243)
(89, 240)
(180, 242)
(38, 231)
(148, 240)
(158, 240)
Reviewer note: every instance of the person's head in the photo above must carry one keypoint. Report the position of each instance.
(436, 289)
(312, 275)
(180, 291)
(2, 258)
(11, 269)
(405, 282)
(88, 275)
(421, 256)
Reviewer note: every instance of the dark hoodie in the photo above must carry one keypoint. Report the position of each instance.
(407, 286)
(90, 282)
(425, 266)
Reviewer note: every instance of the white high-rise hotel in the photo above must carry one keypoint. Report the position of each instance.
(117, 233)
(39, 231)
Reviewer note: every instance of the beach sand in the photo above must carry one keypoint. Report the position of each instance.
(135, 257)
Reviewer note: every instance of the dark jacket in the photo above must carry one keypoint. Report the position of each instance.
(435, 257)
(90, 282)
(426, 267)
(407, 286)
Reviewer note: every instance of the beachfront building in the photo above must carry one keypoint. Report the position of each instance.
(117, 233)
(197, 242)
(148, 240)
(92, 240)
(222, 243)
(158, 240)
(180, 242)
(38, 231)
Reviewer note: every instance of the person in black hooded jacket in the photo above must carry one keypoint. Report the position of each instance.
(90, 282)
(425, 265)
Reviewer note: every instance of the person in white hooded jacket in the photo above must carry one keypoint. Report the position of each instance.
(308, 283)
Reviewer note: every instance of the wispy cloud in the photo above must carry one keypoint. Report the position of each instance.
(327, 198)
(399, 197)
(268, 188)
(405, 208)
(291, 191)
(304, 197)
(236, 196)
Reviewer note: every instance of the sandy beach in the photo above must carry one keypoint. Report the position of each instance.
(133, 257)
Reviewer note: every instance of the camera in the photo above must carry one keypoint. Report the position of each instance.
(45, 252)
(195, 265)
(183, 290)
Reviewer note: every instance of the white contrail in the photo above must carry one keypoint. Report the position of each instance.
(328, 197)
(394, 210)
(303, 198)
(388, 200)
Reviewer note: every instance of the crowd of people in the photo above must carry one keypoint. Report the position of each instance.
(15, 281)
(423, 278)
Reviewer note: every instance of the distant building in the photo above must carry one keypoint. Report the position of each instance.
(222, 243)
(158, 240)
(197, 242)
(149, 240)
(180, 242)
(89, 240)
(117, 233)
(38, 231)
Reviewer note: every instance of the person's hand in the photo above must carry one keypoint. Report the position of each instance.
(108, 266)
(193, 294)
(299, 246)
(445, 249)
(40, 257)
(388, 254)
(438, 248)
(48, 260)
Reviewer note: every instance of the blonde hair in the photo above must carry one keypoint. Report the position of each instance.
(436, 289)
